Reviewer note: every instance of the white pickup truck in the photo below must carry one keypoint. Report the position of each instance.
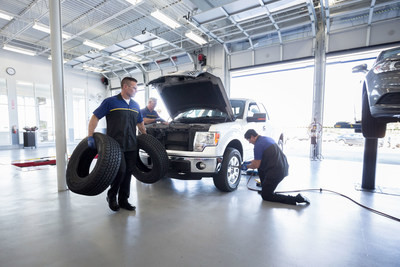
(206, 135)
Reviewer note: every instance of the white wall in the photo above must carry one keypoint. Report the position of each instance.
(37, 70)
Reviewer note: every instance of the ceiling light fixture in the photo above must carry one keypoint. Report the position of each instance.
(5, 16)
(134, 2)
(19, 50)
(127, 56)
(46, 29)
(50, 58)
(94, 45)
(198, 39)
(165, 19)
(92, 68)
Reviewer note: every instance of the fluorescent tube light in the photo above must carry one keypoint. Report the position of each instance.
(94, 45)
(66, 35)
(127, 56)
(134, 2)
(64, 61)
(165, 19)
(91, 68)
(41, 27)
(198, 39)
(46, 29)
(19, 50)
(5, 16)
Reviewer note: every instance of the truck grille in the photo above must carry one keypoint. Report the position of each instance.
(177, 136)
(178, 141)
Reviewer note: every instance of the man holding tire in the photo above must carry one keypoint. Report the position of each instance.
(122, 116)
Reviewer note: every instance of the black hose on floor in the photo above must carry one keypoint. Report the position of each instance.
(320, 190)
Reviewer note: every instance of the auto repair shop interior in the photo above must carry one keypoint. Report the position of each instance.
(309, 62)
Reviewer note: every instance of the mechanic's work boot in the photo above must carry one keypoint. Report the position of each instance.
(112, 203)
(126, 205)
(302, 199)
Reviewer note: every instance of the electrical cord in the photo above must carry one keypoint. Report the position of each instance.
(337, 193)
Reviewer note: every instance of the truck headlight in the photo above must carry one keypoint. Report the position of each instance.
(203, 139)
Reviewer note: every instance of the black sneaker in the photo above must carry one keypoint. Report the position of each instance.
(126, 205)
(302, 199)
(112, 203)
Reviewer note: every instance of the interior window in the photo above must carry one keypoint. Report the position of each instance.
(253, 108)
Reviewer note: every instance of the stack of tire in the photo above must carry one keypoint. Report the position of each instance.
(82, 180)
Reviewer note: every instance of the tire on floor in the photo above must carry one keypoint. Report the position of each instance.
(79, 178)
(152, 161)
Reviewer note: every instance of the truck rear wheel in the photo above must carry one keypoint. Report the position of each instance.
(228, 177)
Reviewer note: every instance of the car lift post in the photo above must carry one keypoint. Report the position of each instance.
(369, 164)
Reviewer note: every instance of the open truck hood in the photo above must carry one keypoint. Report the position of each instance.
(188, 90)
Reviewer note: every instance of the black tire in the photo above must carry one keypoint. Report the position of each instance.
(79, 180)
(228, 177)
(157, 156)
(371, 127)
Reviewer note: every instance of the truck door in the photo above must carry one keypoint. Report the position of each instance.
(257, 119)
(261, 125)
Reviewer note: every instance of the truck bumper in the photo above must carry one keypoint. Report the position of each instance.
(193, 168)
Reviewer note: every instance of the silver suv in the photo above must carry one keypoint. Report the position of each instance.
(381, 93)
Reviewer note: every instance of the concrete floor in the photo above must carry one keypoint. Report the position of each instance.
(191, 223)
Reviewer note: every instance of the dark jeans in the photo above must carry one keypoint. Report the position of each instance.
(122, 182)
(269, 185)
(273, 168)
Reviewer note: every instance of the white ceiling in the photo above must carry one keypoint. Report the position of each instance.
(135, 39)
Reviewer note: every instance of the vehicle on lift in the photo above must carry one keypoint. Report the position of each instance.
(381, 93)
(206, 135)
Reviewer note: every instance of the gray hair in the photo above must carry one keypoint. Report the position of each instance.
(153, 99)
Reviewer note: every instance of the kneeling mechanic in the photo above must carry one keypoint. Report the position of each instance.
(272, 167)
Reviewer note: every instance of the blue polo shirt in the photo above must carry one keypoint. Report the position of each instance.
(146, 113)
(262, 143)
(122, 119)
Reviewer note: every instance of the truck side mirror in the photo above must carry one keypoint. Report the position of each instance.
(359, 68)
(257, 117)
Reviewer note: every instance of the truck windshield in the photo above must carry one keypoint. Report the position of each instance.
(201, 113)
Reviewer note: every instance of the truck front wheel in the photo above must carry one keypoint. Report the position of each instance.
(228, 177)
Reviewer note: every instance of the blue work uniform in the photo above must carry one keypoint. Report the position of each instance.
(122, 119)
(146, 113)
(273, 168)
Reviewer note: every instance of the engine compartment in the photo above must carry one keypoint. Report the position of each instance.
(176, 136)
